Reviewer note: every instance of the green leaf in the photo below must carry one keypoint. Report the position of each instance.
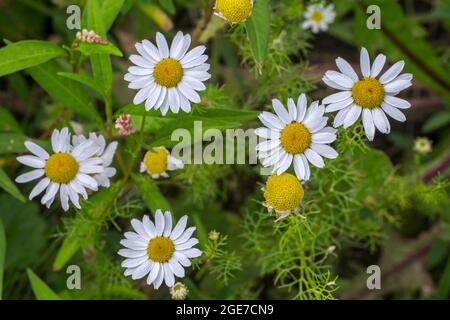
(25, 230)
(443, 288)
(258, 28)
(437, 121)
(101, 63)
(110, 10)
(64, 90)
(25, 54)
(41, 290)
(168, 5)
(2, 255)
(150, 193)
(7, 122)
(14, 143)
(9, 186)
(68, 249)
(83, 79)
(88, 49)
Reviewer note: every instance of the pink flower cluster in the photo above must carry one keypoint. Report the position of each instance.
(123, 123)
(90, 37)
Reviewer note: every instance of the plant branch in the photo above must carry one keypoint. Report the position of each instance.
(203, 23)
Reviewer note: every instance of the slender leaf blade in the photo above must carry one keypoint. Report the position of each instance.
(2, 255)
(41, 290)
(258, 28)
(9, 186)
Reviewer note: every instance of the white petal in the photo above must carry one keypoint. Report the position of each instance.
(142, 270)
(185, 236)
(299, 168)
(52, 189)
(270, 120)
(167, 224)
(29, 176)
(292, 110)
(337, 97)
(139, 228)
(323, 137)
(32, 161)
(378, 65)
(285, 163)
(176, 268)
(162, 45)
(365, 62)
(333, 84)
(281, 112)
(189, 93)
(340, 78)
(314, 158)
(37, 150)
(153, 273)
(39, 188)
(346, 69)
(129, 253)
(368, 124)
(397, 102)
(324, 150)
(339, 105)
(179, 228)
(169, 279)
(159, 222)
(392, 72)
(378, 120)
(394, 113)
(301, 107)
(396, 86)
(352, 115)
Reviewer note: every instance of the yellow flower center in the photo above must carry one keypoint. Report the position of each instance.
(317, 16)
(61, 167)
(168, 72)
(368, 93)
(295, 138)
(156, 161)
(235, 10)
(283, 192)
(160, 249)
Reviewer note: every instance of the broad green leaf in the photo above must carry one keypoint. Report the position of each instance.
(14, 143)
(41, 290)
(201, 230)
(168, 5)
(101, 63)
(7, 122)
(2, 255)
(443, 288)
(96, 209)
(25, 230)
(89, 49)
(83, 79)
(110, 10)
(64, 90)
(9, 186)
(25, 54)
(258, 28)
(150, 193)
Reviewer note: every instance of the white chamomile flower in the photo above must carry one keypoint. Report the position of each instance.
(297, 135)
(369, 96)
(158, 161)
(233, 11)
(179, 291)
(168, 78)
(283, 193)
(154, 249)
(318, 17)
(67, 171)
(106, 153)
(423, 145)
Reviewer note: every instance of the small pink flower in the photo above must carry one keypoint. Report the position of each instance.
(90, 37)
(123, 123)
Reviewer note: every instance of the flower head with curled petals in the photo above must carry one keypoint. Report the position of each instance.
(297, 135)
(67, 171)
(369, 96)
(157, 251)
(318, 17)
(158, 161)
(168, 78)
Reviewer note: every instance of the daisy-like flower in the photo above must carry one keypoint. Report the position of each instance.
(106, 153)
(158, 161)
(168, 78)
(369, 96)
(423, 145)
(234, 11)
(318, 17)
(283, 193)
(179, 291)
(158, 251)
(67, 170)
(298, 135)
